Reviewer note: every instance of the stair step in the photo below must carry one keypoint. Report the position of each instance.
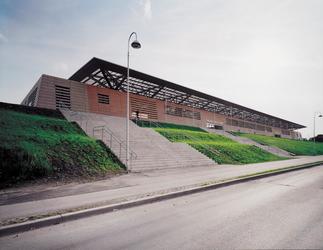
(152, 149)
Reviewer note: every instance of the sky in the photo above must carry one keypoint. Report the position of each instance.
(263, 54)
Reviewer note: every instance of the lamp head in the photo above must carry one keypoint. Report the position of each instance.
(135, 44)
(320, 116)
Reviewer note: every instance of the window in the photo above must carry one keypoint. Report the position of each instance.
(176, 111)
(285, 132)
(104, 99)
(235, 123)
(63, 97)
(269, 129)
(260, 127)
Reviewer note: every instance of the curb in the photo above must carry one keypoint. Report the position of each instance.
(57, 219)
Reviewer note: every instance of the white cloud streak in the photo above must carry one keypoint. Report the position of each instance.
(3, 38)
(61, 67)
(147, 9)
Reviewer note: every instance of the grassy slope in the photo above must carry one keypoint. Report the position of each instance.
(167, 125)
(230, 152)
(294, 146)
(33, 146)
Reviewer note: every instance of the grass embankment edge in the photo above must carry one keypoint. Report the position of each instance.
(297, 147)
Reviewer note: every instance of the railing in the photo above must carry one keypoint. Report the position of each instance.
(154, 124)
(108, 137)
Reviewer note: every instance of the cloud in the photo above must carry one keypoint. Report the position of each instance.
(3, 38)
(61, 67)
(147, 9)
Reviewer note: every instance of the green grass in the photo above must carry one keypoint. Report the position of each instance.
(143, 123)
(223, 150)
(34, 146)
(296, 147)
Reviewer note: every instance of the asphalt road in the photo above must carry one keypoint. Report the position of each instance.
(284, 211)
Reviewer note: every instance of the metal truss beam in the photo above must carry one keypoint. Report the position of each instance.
(110, 75)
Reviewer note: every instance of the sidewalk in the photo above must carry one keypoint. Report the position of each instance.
(18, 205)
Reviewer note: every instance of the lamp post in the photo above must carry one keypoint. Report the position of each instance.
(316, 114)
(136, 45)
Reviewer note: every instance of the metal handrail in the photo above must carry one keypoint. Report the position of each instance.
(214, 151)
(106, 131)
(77, 117)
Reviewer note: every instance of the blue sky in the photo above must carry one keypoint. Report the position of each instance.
(264, 54)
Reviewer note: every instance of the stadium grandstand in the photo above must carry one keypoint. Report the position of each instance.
(100, 87)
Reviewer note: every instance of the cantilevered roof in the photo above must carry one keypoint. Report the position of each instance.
(109, 75)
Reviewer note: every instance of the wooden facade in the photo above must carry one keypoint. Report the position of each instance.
(53, 92)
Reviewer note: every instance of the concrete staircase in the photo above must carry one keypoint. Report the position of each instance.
(244, 140)
(152, 150)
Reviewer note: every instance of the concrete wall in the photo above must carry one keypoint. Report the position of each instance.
(85, 98)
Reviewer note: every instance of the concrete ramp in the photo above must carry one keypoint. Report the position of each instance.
(151, 150)
(247, 141)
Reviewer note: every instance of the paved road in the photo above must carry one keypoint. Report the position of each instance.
(34, 201)
(283, 211)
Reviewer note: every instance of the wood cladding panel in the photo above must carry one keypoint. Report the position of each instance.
(85, 98)
(48, 94)
(144, 107)
(117, 101)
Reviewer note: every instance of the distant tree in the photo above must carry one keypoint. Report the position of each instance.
(318, 138)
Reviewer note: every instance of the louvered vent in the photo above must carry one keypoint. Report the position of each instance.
(63, 97)
(183, 112)
(104, 99)
(144, 108)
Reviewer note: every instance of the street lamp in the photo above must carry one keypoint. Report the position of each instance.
(136, 45)
(316, 114)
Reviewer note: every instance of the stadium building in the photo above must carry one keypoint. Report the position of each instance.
(100, 87)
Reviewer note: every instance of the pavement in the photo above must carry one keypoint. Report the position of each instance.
(279, 212)
(18, 205)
